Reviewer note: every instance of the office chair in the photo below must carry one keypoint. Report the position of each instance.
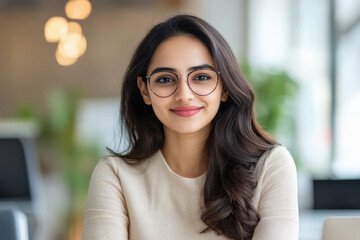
(13, 225)
(20, 179)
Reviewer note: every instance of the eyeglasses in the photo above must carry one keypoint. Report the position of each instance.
(201, 81)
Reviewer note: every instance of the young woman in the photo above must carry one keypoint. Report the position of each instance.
(198, 165)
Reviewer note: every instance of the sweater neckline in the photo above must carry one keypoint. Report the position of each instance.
(177, 175)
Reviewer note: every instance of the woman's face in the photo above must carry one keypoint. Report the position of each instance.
(183, 112)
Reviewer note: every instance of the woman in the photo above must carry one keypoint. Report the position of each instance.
(198, 165)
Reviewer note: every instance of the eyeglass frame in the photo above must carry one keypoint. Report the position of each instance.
(187, 81)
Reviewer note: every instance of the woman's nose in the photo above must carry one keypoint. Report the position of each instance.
(183, 92)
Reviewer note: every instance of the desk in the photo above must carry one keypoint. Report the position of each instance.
(311, 221)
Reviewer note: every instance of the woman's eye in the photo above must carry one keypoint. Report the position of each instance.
(164, 80)
(202, 77)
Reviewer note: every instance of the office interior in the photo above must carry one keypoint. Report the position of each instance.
(59, 103)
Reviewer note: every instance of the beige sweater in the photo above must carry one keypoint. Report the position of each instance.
(151, 202)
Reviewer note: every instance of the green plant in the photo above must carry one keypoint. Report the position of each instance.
(75, 158)
(275, 103)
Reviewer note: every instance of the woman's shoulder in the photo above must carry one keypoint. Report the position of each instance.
(120, 166)
(277, 155)
(277, 159)
(275, 171)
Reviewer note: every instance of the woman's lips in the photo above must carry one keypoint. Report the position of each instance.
(186, 111)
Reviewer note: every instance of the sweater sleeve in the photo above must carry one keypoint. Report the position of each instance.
(278, 206)
(105, 216)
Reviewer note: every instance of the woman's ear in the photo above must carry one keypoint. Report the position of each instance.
(143, 90)
(224, 95)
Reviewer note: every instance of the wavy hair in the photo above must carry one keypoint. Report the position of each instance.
(235, 142)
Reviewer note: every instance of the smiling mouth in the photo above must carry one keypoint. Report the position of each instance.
(186, 111)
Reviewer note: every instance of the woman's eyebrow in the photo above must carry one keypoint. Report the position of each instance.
(163, 69)
(202, 66)
(169, 69)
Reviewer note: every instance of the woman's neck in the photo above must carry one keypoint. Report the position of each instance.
(184, 153)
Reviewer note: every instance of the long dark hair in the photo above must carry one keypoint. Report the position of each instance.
(235, 142)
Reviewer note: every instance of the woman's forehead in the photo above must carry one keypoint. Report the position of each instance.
(181, 52)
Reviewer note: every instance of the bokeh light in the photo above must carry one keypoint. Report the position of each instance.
(64, 60)
(74, 27)
(72, 45)
(55, 29)
(78, 9)
(82, 45)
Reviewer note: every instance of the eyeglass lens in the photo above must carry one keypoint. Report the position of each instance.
(201, 82)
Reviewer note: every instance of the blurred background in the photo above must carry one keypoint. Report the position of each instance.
(61, 67)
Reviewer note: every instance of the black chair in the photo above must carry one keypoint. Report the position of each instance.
(20, 179)
(13, 225)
